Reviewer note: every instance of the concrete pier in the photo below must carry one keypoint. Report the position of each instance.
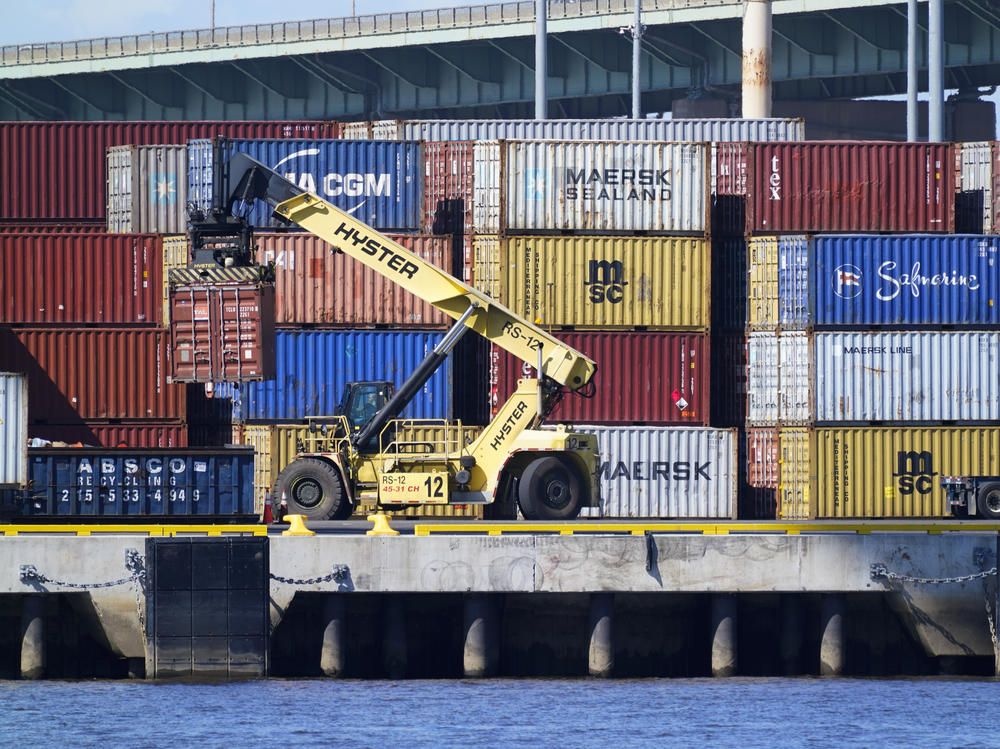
(32, 636)
(601, 661)
(791, 635)
(724, 644)
(393, 637)
(831, 650)
(332, 655)
(479, 641)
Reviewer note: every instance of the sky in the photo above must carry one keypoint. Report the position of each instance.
(69, 20)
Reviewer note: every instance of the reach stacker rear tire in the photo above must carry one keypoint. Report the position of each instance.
(988, 500)
(313, 488)
(550, 489)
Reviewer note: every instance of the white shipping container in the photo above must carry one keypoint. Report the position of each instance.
(665, 472)
(13, 429)
(778, 377)
(537, 186)
(147, 189)
(975, 180)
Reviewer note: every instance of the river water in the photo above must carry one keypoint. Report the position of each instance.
(572, 713)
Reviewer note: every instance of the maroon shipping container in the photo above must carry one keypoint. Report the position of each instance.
(730, 169)
(316, 286)
(94, 373)
(95, 434)
(851, 187)
(762, 457)
(642, 378)
(53, 227)
(222, 332)
(81, 278)
(448, 186)
(58, 170)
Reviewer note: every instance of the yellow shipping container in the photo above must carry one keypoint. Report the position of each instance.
(175, 255)
(598, 283)
(762, 283)
(261, 438)
(879, 472)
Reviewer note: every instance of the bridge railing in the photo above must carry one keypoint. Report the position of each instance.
(329, 28)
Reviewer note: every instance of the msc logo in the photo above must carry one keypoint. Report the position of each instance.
(606, 281)
(163, 189)
(536, 184)
(915, 472)
(847, 281)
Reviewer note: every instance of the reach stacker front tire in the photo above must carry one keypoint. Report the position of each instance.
(313, 488)
(988, 500)
(550, 489)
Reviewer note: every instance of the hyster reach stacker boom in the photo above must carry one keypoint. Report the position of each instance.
(365, 454)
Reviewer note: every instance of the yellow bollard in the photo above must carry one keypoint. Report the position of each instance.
(381, 528)
(297, 526)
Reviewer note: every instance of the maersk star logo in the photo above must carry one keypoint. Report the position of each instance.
(535, 184)
(847, 281)
(163, 188)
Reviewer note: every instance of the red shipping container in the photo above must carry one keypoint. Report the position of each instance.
(222, 332)
(58, 170)
(642, 378)
(448, 186)
(762, 457)
(53, 227)
(81, 278)
(94, 373)
(315, 285)
(851, 187)
(95, 434)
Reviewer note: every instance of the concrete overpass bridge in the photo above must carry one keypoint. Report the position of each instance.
(478, 61)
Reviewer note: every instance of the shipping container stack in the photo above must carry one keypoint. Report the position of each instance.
(872, 330)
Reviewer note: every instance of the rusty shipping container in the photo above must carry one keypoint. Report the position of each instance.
(879, 472)
(314, 285)
(598, 282)
(642, 378)
(94, 373)
(851, 186)
(99, 434)
(449, 187)
(591, 186)
(57, 170)
(80, 278)
(222, 333)
(147, 189)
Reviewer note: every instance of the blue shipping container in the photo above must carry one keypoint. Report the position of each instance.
(379, 182)
(793, 281)
(313, 366)
(123, 482)
(901, 279)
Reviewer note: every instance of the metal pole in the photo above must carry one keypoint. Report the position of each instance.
(935, 72)
(636, 54)
(756, 58)
(911, 71)
(541, 61)
(213, 15)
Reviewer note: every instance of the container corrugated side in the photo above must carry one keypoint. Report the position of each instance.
(94, 373)
(379, 182)
(905, 280)
(58, 170)
(587, 186)
(94, 482)
(449, 187)
(176, 254)
(779, 378)
(315, 286)
(261, 438)
(851, 186)
(881, 472)
(356, 130)
(313, 366)
(759, 485)
(974, 204)
(907, 376)
(99, 434)
(147, 189)
(642, 378)
(601, 282)
(80, 278)
(665, 472)
(762, 283)
(13, 429)
(708, 129)
(778, 288)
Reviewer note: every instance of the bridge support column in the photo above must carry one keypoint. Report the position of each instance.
(791, 634)
(393, 637)
(831, 650)
(756, 58)
(479, 652)
(331, 657)
(32, 636)
(724, 647)
(602, 634)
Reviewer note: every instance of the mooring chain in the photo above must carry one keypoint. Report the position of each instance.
(339, 574)
(880, 570)
(133, 563)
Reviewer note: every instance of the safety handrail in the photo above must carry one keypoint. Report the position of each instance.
(470, 16)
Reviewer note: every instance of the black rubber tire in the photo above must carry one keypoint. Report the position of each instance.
(313, 488)
(550, 489)
(988, 500)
